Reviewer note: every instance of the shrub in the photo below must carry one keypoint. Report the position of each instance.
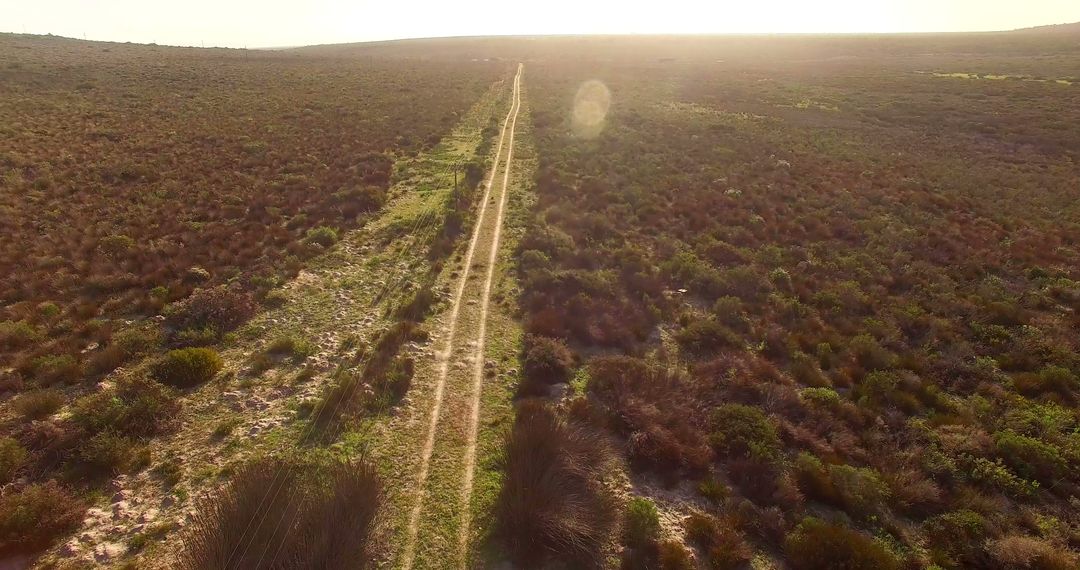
(551, 503)
(712, 489)
(818, 545)
(38, 404)
(35, 516)
(196, 337)
(18, 334)
(957, 536)
(290, 345)
(724, 547)
(220, 309)
(322, 235)
(806, 371)
(824, 397)
(12, 458)
(870, 354)
(642, 522)
(862, 492)
(187, 367)
(744, 431)
(51, 369)
(878, 388)
(996, 475)
(136, 406)
(48, 309)
(705, 336)
(110, 452)
(1020, 551)
(547, 361)
(814, 480)
(729, 311)
(275, 298)
(392, 383)
(1058, 378)
(328, 512)
(1030, 457)
(672, 555)
(656, 409)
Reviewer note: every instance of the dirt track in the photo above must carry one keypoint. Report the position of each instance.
(448, 439)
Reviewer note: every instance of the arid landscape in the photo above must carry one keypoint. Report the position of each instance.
(638, 302)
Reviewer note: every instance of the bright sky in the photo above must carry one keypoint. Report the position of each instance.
(272, 23)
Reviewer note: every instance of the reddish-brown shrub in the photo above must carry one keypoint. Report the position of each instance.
(36, 516)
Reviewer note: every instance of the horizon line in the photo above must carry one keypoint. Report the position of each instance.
(559, 35)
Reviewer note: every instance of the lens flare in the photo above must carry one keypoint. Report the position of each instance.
(590, 109)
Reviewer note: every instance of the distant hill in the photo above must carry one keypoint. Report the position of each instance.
(1073, 28)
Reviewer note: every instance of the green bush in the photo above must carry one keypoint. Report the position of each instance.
(955, 537)
(877, 389)
(51, 369)
(870, 354)
(48, 309)
(34, 517)
(642, 522)
(729, 311)
(744, 431)
(109, 451)
(12, 458)
(290, 345)
(861, 490)
(136, 406)
(823, 397)
(713, 490)
(995, 474)
(38, 404)
(1030, 457)
(818, 545)
(205, 336)
(322, 235)
(18, 334)
(187, 367)
(705, 336)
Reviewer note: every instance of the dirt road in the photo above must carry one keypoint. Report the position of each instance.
(448, 454)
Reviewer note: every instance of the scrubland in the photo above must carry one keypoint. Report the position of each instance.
(821, 295)
(152, 201)
(791, 302)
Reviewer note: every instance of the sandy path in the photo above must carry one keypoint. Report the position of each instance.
(444, 356)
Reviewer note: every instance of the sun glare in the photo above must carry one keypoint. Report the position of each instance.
(590, 109)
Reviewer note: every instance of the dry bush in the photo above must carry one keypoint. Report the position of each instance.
(552, 504)
(135, 406)
(819, 545)
(724, 547)
(235, 528)
(38, 404)
(547, 361)
(218, 309)
(1016, 551)
(33, 517)
(657, 411)
(283, 514)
